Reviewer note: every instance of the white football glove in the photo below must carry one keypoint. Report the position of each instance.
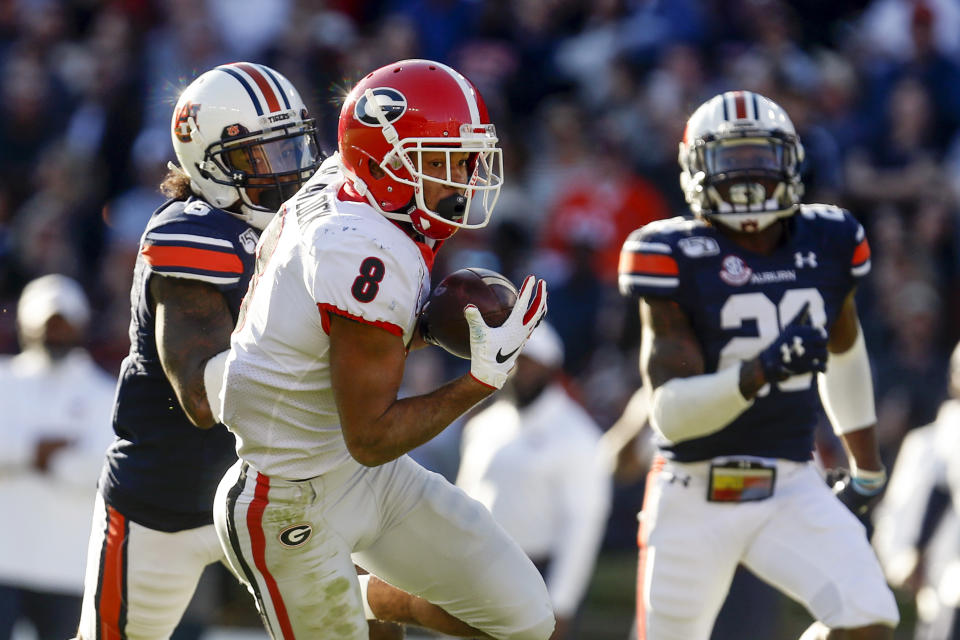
(494, 350)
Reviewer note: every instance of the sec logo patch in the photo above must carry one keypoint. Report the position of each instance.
(296, 535)
(735, 271)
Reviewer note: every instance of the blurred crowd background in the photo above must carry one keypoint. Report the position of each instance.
(589, 98)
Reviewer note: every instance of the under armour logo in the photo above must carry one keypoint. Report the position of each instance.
(788, 351)
(809, 260)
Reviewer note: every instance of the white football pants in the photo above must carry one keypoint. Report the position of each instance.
(291, 543)
(139, 581)
(802, 540)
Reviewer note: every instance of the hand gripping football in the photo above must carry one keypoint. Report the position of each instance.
(442, 321)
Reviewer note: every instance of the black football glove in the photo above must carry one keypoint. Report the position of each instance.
(800, 348)
(857, 495)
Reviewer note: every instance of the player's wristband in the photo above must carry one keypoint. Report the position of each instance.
(846, 389)
(868, 483)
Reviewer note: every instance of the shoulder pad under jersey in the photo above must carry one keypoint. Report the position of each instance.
(196, 241)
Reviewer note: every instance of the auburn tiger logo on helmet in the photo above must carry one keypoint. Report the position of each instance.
(181, 121)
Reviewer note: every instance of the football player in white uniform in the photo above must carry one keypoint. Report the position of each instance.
(245, 143)
(311, 380)
(740, 308)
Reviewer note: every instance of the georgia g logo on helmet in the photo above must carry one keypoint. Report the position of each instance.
(392, 103)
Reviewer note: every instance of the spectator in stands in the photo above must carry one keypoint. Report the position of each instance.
(533, 460)
(917, 523)
(56, 402)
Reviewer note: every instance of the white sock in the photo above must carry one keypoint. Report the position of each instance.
(364, 581)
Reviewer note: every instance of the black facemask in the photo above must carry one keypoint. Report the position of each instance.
(272, 198)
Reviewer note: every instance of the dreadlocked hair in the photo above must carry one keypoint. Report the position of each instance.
(176, 185)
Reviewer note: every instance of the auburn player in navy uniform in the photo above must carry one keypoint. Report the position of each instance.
(244, 143)
(749, 321)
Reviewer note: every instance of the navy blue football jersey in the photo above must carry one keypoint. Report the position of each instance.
(162, 471)
(738, 301)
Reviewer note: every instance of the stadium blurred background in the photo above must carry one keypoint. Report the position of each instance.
(589, 98)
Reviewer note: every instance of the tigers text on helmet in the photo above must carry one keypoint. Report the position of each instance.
(242, 134)
(399, 112)
(739, 159)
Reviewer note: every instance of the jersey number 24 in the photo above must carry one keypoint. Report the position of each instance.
(770, 319)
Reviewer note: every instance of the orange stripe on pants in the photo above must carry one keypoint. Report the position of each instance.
(111, 590)
(655, 469)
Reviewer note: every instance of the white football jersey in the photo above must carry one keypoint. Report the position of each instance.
(319, 255)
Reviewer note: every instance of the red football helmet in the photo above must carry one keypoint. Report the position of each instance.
(398, 112)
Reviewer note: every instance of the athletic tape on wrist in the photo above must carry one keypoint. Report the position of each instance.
(868, 482)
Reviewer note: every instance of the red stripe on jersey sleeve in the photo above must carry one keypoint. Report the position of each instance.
(650, 264)
(326, 309)
(188, 257)
(324, 319)
(861, 254)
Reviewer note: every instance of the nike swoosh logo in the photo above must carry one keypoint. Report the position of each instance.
(503, 357)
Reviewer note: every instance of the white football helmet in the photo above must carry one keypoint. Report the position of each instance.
(739, 159)
(242, 134)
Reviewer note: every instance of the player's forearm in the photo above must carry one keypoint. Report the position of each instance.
(693, 407)
(410, 422)
(184, 365)
(390, 603)
(863, 450)
(846, 387)
(752, 378)
(191, 395)
(193, 324)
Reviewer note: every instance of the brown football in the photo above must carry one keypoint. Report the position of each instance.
(442, 322)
